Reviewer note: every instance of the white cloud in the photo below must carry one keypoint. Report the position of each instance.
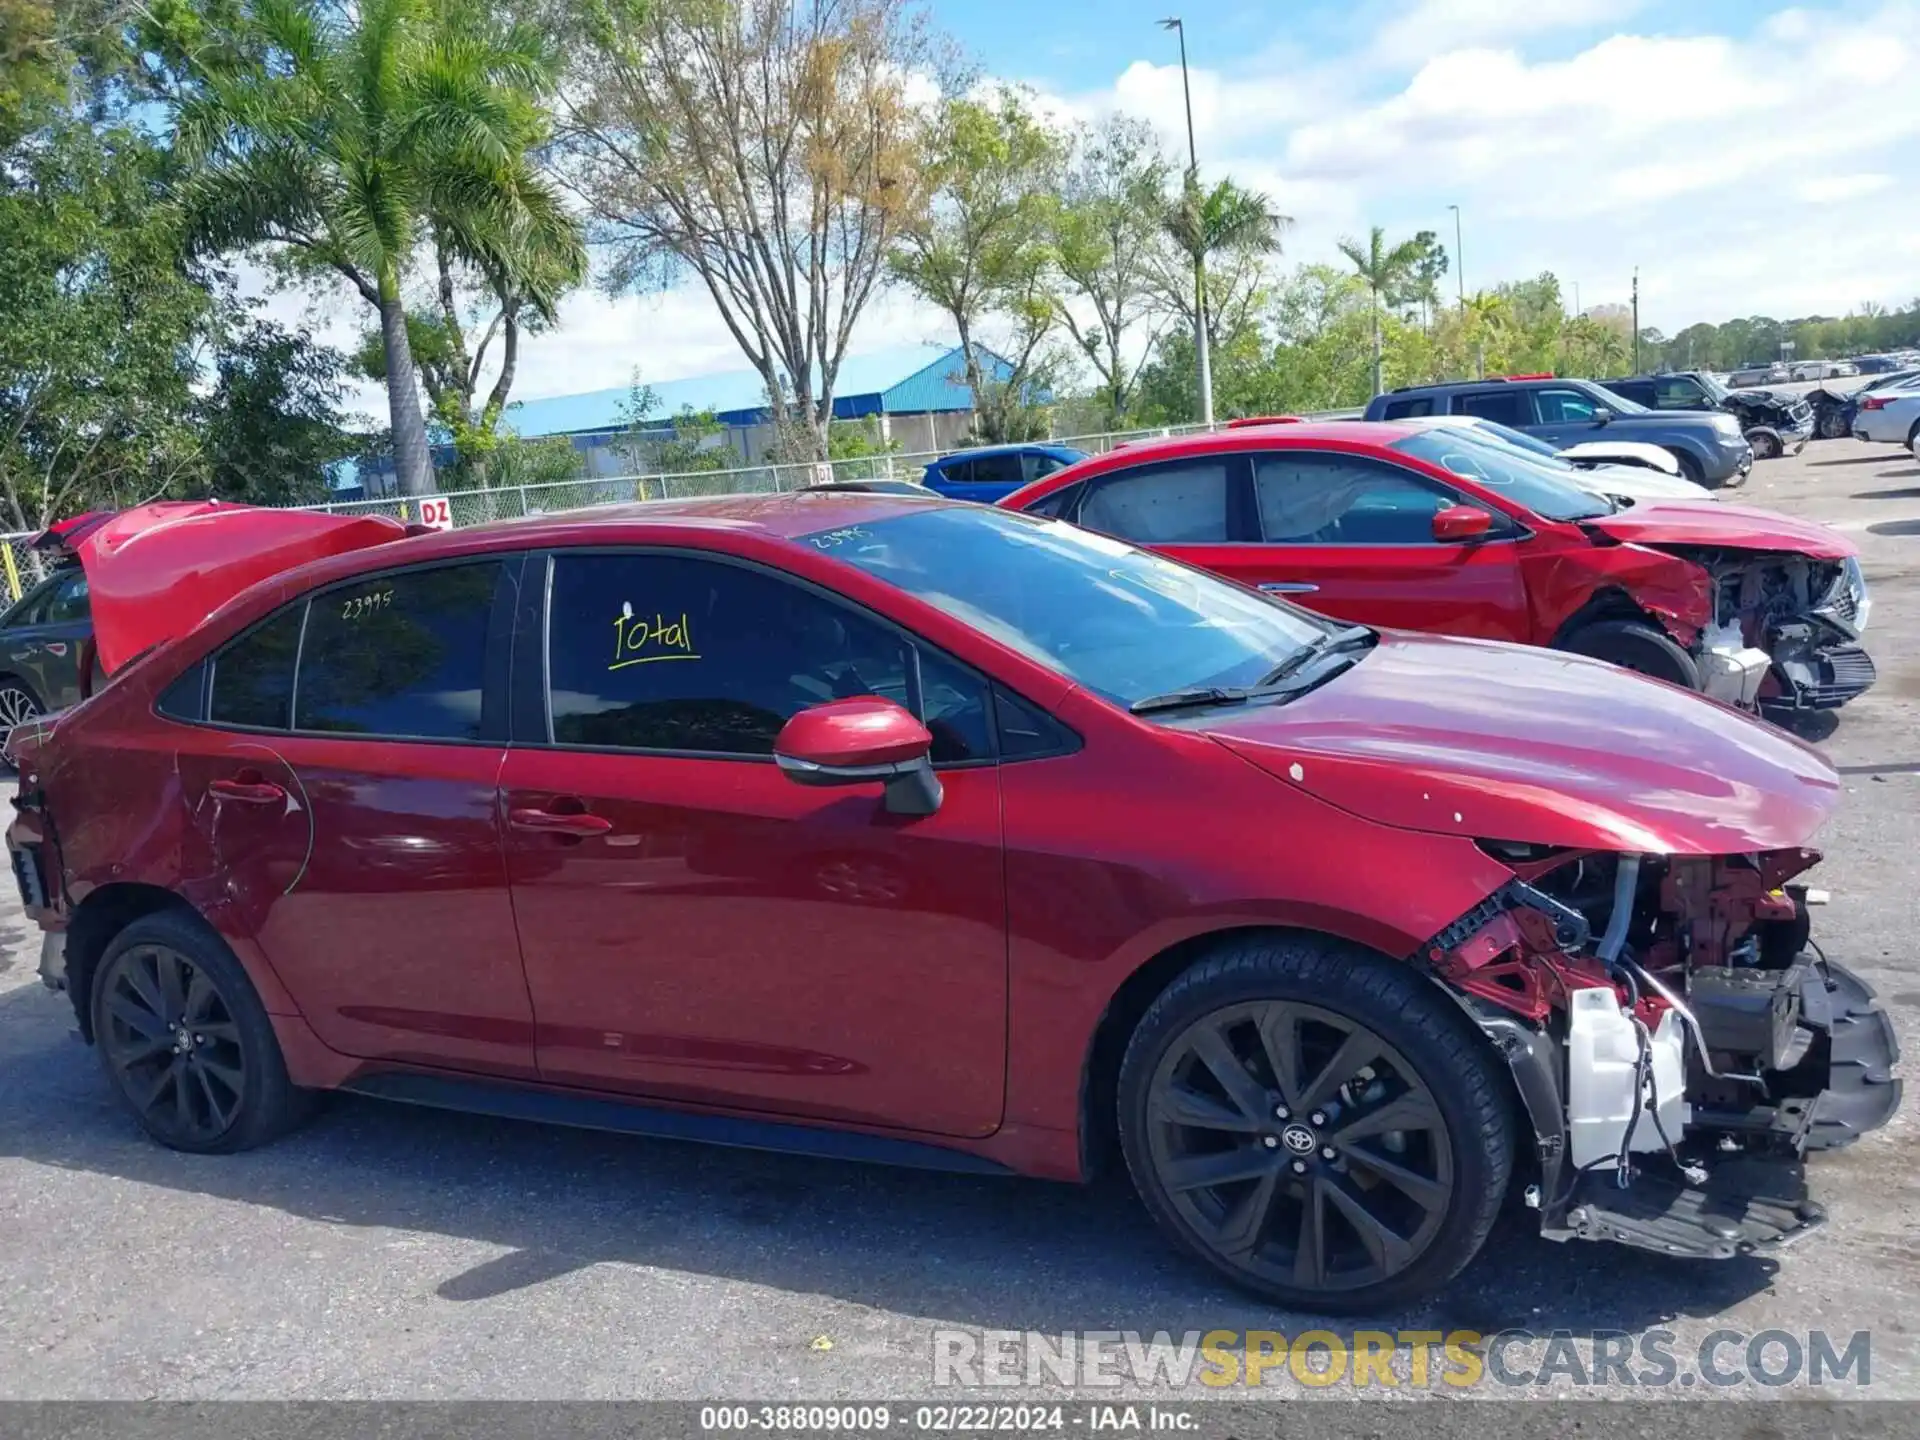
(1824, 190)
(1765, 173)
(1433, 25)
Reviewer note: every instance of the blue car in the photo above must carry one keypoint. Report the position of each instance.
(995, 471)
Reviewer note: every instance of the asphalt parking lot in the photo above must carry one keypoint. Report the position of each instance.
(391, 1252)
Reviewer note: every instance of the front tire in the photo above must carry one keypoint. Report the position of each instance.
(1766, 445)
(186, 1041)
(1317, 1123)
(1637, 646)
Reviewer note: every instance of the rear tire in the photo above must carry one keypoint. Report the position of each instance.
(1317, 1123)
(186, 1042)
(1637, 646)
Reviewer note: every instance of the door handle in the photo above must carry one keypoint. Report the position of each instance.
(1287, 587)
(559, 824)
(249, 788)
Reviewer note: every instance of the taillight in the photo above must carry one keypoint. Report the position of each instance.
(1874, 402)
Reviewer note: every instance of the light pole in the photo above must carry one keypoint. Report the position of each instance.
(1172, 22)
(1636, 319)
(1459, 265)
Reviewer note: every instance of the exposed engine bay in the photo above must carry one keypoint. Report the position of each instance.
(1679, 1042)
(1786, 630)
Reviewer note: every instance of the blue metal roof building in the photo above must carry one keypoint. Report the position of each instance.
(906, 380)
(917, 394)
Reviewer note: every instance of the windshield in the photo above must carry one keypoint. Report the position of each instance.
(1125, 623)
(1510, 472)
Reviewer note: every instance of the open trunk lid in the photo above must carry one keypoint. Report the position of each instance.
(155, 571)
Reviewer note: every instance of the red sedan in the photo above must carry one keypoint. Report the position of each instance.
(1452, 530)
(917, 831)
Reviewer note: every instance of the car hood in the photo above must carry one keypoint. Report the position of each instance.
(1714, 523)
(1636, 482)
(156, 571)
(1505, 742)
(1637, 452)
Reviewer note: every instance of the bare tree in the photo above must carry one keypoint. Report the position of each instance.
(770, 147)
(1109, 242)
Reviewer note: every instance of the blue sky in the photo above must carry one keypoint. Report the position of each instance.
(1749, 157)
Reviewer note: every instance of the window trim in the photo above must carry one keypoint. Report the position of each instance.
(1515, 530)
(540, 663)
(509, 562)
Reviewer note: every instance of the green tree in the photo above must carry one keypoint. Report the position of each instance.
(270, 424)
(337, 136)
(1222, 239)
(1107, 231)
(100, 327)
(1421, 283)
(981, 249)
(1384, 269)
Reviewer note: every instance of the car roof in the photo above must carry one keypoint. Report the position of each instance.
(1012, 448)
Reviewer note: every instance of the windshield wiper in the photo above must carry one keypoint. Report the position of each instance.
(1328, 642)
(1197, 696)
(1272, 683)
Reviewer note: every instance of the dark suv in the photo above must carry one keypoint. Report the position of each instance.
(1707, 443)
(1775, 422)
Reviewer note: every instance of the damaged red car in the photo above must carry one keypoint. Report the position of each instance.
(1450, 530)
(915, 831)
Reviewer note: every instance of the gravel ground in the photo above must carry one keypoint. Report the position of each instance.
(389, 1252)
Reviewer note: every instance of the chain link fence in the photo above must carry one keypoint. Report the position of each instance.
(21, 569)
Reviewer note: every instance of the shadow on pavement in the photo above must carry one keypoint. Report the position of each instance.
(991, 1253)
(1888, 459)
(1911, 493)
(1895, 527)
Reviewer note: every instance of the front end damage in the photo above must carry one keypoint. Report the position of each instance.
(1786, 628)
(1678, 1042)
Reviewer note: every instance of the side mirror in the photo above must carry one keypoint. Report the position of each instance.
(1460, 522)
(1603, 416)
(864, 740)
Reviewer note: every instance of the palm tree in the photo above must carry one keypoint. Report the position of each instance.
(344, 131)
(1383, 270)
(1225, 220)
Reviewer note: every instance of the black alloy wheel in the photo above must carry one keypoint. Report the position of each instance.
(173, 1045)
(1319, 1124)
(1300, 1143)
(186, 1041)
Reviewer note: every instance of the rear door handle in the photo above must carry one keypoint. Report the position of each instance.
(255, 791)
(559, 824)
(1287, 587)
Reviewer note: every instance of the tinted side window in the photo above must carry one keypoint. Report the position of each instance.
(997, 470)
(957, 472)
(253, 676)
(1036, 463)
(1507, 406)
(400, 655)
(1408, 409)
(671, 652)
(68, 600)
(32, 609)
(1564, 407)
(1678, 393)
(1309, 499)
(1060, 503)
(1181, 503)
